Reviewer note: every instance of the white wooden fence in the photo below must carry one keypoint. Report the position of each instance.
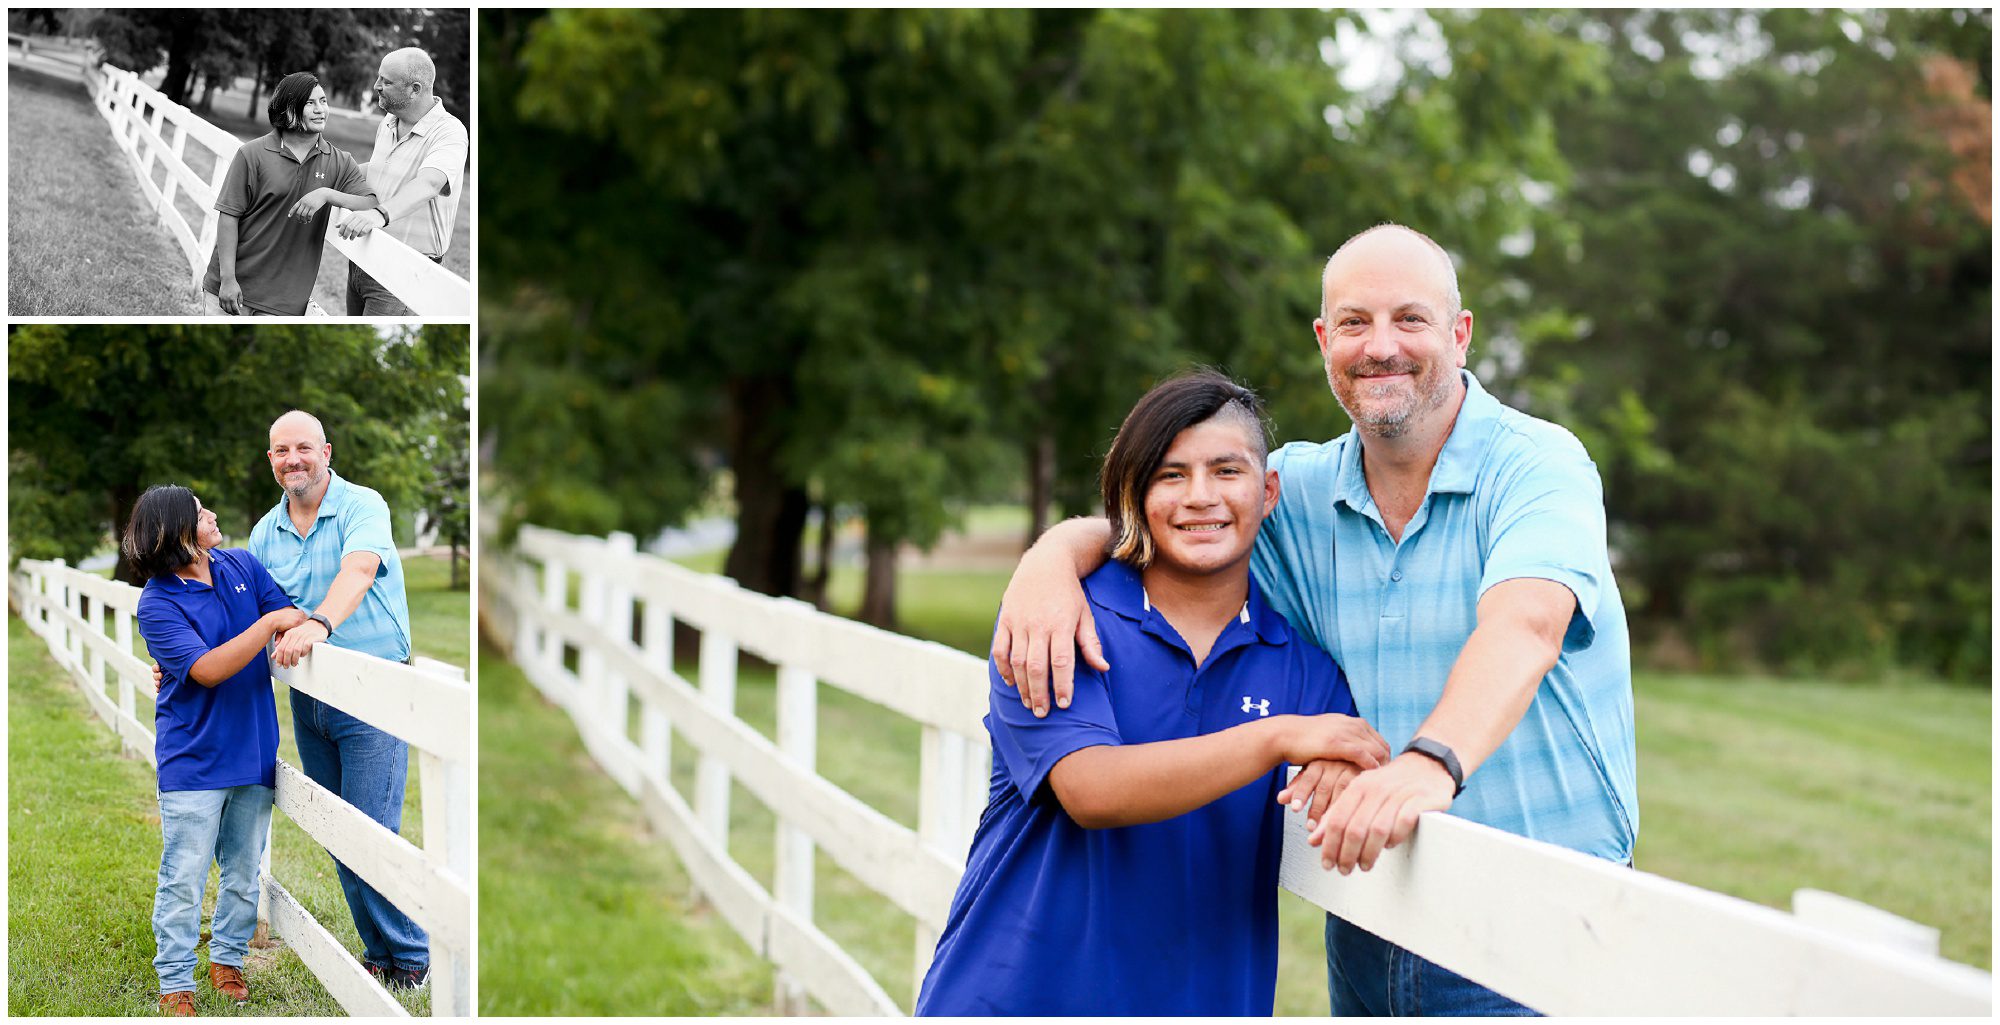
(1558, 930)
(142, 119)
(87, 621)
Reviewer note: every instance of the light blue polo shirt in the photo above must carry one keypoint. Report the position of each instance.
(351, 519)
(1178, 917)
(1510, 497)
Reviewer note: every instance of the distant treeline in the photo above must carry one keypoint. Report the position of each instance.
(883, 263)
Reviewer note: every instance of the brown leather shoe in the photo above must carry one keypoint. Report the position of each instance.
(228, 981)
(177, 1005)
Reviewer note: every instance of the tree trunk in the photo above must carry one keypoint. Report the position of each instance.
(1041, 484)
(207, 103)
(180, 57)
(454, 564)
(823, 572)
(878, 596)
(256, 90)
(770, 511)
(123, 498)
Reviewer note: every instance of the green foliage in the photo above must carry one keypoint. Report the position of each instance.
(1769, 316)
(99, 412)
(343, 46)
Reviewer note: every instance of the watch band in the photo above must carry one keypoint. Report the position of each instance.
(1442, 755)
(321, 620)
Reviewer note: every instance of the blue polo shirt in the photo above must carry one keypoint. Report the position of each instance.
(1511, 497)
(351, 519)
(1174, 917)
(209, 738)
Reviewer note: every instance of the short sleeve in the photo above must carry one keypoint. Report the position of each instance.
(235, 196)
(270, 597)
(1283, 555)
(448, 154)
(364, 527)
(1323, 687)
(170, 637)
(353, 180)
(1548, 524)
(1028, 747)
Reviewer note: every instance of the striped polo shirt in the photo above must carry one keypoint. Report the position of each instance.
(437, 140)
(351, 519)
(1511, 497)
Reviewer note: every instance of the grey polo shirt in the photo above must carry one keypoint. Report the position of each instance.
(277, 257)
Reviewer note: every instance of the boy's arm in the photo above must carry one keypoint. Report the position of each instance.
(1126, 785)
(224, 660)
(227, 292)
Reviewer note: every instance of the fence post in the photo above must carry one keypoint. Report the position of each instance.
(617, 614)
(718, 692)
(94, 657)
(934, 796)
(656, 733)
(589, 704)
(555, 596)
(72, 637)
(127, 691)
(798, 742)
(447, 807)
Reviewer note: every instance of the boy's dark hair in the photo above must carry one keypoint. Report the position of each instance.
(161, 536)
(1174, 405)
(289, 99)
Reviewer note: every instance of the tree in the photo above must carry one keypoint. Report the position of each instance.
(99, 412)
(872, 257)
(1764, 302)
(447, 490)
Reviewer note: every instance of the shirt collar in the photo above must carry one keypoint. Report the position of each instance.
(1457, 467)
(1118, 588)
(423, 125)
(276, 144)
(329, 503)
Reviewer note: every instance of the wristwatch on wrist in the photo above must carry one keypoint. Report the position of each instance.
(385, 216)
(325, 622)
(1442, 755)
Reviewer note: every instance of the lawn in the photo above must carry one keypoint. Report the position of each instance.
(580, 912)
(1748, 786)
(80, 883)
(80, 239)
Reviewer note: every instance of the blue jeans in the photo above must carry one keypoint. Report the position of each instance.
(1367, 976)
(368, 769)
(367, 297)
(198, 828)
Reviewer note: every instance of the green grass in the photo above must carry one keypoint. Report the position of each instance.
(80, 240)
(62, 757)
(582, 911)
(1751, 787)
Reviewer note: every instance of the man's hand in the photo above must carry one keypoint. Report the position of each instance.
(1379, 809)
(361, 222)
(229, 295)
(1044, 618)
(297, 642)
(309, 204)
(1317, 786)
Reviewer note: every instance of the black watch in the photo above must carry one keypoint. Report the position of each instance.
(1442, 755)
(325, 622)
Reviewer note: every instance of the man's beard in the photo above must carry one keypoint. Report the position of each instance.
(1429, 386)
(302, 490)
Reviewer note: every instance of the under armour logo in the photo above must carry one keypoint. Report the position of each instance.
(240, 588)
(1262, 708)
(321, 175)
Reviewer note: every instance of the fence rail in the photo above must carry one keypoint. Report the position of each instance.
(1558, 930)
(153, 130)
(87, 622)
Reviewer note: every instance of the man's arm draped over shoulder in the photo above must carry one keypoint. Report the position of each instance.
(1044, 617)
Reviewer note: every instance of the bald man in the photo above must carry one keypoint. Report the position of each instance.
(418, 170)
(328, 544)
(1450, 553)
